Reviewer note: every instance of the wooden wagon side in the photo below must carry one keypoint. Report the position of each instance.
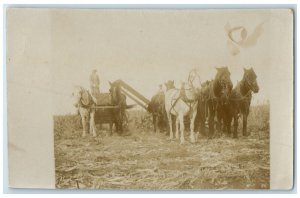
(111, 114)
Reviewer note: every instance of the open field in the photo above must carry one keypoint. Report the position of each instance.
(140, 159)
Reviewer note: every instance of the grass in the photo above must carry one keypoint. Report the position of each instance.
(144, 160)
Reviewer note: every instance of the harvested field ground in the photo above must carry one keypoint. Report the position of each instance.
(141, 159)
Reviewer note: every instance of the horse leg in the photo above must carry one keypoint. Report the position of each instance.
(154, 122)
(170, 125)
(111, 127)
(225, 120)
(202, 121)
(92, 124)
(117, 125)
(211, 121)
(83, 121)
(245, 124)
(181, 129)
(157, 129)
(177, 127)
(219, 122)
(121, 121)
(157, 124)
(235, 124)
(228, 125)
(192, 125)
(201, 128)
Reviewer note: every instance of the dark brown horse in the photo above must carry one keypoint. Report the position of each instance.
(118, 99)
(213, 96)
(239, 102)
(156, 108)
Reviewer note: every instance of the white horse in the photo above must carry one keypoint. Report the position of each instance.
(84, 102)
(182, 102)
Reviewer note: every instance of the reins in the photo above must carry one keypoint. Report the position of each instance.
(244, 97)
(187, 101)
(81, 103)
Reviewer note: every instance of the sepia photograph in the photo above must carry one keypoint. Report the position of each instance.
(153, 99)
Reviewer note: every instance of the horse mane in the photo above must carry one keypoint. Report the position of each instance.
(241, 84)
(249, 71)
(244, 75)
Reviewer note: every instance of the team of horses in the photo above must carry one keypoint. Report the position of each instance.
(215, 103)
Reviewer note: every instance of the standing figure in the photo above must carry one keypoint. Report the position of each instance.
(95, 83)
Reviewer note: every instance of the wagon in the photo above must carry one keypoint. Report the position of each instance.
(111, 107)
(112, 114)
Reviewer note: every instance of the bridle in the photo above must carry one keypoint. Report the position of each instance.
(250, 86)
(192, 77)
(243, 97)
(225, 85)
(81, 102)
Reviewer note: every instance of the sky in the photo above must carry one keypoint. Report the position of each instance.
(59, 48)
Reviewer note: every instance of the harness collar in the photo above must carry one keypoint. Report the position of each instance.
(81, 103)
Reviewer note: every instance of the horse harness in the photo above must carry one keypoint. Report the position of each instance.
(185, 99)
(245, 97)
(85, 100)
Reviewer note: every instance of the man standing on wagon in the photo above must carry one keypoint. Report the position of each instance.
(95, 83)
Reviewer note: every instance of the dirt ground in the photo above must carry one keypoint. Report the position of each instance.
(141, 159)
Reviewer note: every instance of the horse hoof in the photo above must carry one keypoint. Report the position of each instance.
(193, 140)
(181, 141)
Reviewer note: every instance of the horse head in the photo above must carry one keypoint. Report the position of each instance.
(223, 82)
(81, 97)
(169, 85)
(76, 95)
(250, 78)
(194, 79)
